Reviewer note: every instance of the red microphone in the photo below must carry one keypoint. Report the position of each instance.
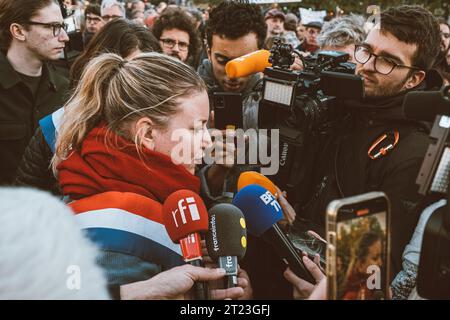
(185, 217)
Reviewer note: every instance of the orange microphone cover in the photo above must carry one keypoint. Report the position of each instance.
(249, 64)
(252, 177)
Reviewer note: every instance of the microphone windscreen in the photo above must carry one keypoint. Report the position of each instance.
(253, 177)
(249, 64)
(425, 106)
(260, 208)
(184, 213)
(227, 235)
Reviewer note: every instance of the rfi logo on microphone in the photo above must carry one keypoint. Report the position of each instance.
(193, 210)
(268, 198)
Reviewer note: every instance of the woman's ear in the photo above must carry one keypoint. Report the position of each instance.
(144, 133)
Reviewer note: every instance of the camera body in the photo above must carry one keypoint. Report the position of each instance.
(302, 105)
(433, 280)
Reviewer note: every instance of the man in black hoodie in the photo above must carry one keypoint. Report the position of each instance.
(395, 58)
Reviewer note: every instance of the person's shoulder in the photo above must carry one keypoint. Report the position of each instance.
(59, 75)
(413, 142)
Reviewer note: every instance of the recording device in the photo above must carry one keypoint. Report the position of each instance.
(433, 280)
(185, 218)
(227, 110)
(262, 212)
(226, 239)
(249, 64)
(358, 239)
(302, 241)
(303, 106)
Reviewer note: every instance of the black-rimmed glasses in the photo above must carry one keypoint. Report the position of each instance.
(170, 43)
(56, 27)
(382, 64)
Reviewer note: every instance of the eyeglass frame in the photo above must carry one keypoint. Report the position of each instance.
(108, 18)
(176, 42)
(96, 19)
(54, 25)
(395, 64)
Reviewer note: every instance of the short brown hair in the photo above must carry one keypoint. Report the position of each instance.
(12, 11)
(414, 25)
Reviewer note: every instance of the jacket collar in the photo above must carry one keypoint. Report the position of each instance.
(9, 77)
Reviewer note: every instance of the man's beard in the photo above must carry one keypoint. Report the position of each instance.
(386, 90)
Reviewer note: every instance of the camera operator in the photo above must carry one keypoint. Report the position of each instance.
(376, 147)
(233, 30)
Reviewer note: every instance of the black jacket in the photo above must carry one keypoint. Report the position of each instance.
(344, 169)
(20, 112)
(341, 168)
(34, 168)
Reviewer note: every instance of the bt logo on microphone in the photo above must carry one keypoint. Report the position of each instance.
(192, 209)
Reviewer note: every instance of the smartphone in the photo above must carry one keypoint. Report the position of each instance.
(312, 244)
(228, 110)
(358, 247)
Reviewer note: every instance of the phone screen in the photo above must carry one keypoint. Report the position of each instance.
(361, 251)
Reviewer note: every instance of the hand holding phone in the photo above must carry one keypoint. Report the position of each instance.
(358, 247)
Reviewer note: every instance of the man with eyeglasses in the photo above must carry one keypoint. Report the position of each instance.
(178, 37)
(373, 146)
(94, 22)
(32, 32)
(112, 9)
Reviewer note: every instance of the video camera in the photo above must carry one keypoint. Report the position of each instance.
(302, 105)
(433, 280)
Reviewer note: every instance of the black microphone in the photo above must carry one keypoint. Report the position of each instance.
(425, 106)
(226, 239)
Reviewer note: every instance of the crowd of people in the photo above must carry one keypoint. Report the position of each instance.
(86, 138)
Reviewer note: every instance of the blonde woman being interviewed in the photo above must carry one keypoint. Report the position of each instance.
(113, 157)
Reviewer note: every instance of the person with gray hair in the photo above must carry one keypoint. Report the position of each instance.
(111, 9)
(341, 34)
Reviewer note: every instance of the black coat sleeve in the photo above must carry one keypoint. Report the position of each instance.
(34, 169)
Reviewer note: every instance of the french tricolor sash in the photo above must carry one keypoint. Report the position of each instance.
(128, 223)
(50, 125)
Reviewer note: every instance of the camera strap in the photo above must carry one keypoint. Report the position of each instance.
(383, 145)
